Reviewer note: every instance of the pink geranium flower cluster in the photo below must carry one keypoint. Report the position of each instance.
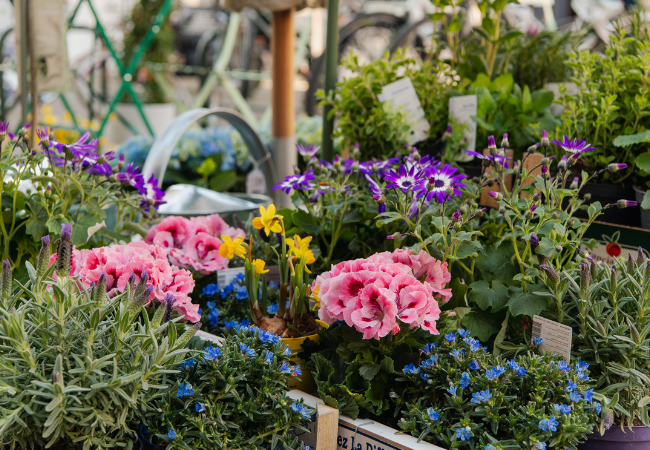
(118, 262)
(375, 294)
(193, 243)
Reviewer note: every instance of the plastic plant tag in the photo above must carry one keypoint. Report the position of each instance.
(556, 338)
(462, 109)
(255, 182)
(226, 276)
(401, 94)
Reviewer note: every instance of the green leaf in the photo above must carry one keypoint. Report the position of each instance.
(482, 80)
(36, 224)
(643, 162)
(486, 297)
(80, 233)
(502, 335)
(387, 365)
(626, 140)
(497, 264)
(527, 304)
(352, 216)
(646, 201)
(305, 221)
(458, 291)
(542, 99)
(482, 325)
(485, 102)
(223, 181)
(504, 83)
(368, 371)
(526, 100)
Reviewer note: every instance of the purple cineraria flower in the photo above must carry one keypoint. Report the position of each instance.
(103, 169)
(427, 162)
(296, 182)
(131, 176)
(497, 158)
(308, 150)
(80, 147)
(405, 180)
(152, 195)
(441, 180)
(325, 164)
(492, 145)
(384, 166)
(367, 167)
(4, 126)
(573, 146)
(42, 133)
(377, 194)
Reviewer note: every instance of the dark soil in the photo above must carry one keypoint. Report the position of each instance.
(307, 326)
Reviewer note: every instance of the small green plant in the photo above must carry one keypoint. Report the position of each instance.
(611, 108)
(233, 396)
(459, 395)
(79, 370)
(380, 130)
(609, 311)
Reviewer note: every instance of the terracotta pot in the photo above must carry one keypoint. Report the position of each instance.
(616, 439)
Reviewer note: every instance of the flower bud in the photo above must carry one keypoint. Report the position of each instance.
(613, 280)
(536, 196)
(23, 131)
(43, 261)
(634, 332)
(587, 197)
(601, 328)
(492, 146)
(570, 222)
(552, 275)
(630, 264)
(355, 151)
(534, 242)
(64, 252)
(463, 209)
(502, 210)
(585, 276)
(608, 418)
(504, 142)
(594, 270)
(447, 134)
(559, 249)
(99, 293)
(646, 278)
(545, 141)
(458, 226)
(562, 165)
(457, 216)
(575, 183)
(585, 254)
(496, 195)
(616, 167)
(394, 236)
(490, 182)
(545, 162)
(533, 148)
(6, 280)
(640, 257)
(450, 191)
(626, 203)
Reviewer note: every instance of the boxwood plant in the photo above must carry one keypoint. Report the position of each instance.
(461, 396)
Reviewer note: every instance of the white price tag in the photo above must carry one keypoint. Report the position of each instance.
(462, 109)
(401, 94)
(255, 182)
(556, 338)
(225, 277)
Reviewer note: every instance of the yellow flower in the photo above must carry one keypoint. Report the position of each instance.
(314, 296)
(230, 248)
(268, 220)
(300, 247)
(258, 264)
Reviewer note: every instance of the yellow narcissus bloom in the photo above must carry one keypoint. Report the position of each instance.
(314, 296)
(268, 221)
(230, 247)
(300, 247)
(258, 264)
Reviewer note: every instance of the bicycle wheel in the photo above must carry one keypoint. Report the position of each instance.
(368, 35)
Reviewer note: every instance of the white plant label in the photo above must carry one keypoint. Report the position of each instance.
(462, 109)
(255, 182)
(225, 277)
(401, 94)
(556, 338)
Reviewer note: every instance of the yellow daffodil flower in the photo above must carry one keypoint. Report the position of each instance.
(258, 264)
(300, 247)
(230, 247)
(268, 220)
(314, 296)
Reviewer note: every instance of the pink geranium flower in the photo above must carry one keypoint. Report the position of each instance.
(193, 243)
(377, 294)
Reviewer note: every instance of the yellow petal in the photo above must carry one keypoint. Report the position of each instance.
(223, 251)
(226, 239)
(276, 228)
(257, 223)
(271, 211)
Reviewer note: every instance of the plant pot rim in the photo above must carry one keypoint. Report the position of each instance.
(639, 433)
(302, 338)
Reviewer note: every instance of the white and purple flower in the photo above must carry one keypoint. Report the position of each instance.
(406, 179)
(440, 180)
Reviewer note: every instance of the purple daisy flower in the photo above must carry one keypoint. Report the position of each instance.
(43, 136)
(367, 167)
(4, 127)
(440, 180)
(384, 166)
(80, 147)
(377, 194)
(131, 176)
(325, 164)
(411, 179)
(152, 195)
(573, 146)
(300, 182)
(307, 150)
(500, 159)
(103, 169)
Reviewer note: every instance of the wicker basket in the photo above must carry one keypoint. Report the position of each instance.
(273, 5)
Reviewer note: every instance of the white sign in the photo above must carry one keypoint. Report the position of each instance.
(462, 109)
(401, 94)
(556, 338)
(255, 182)
(226, 276)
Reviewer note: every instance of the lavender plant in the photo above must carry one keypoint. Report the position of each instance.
(608, 309)
(70, 374)
(232, 396)
(55, 183)
(461, 396)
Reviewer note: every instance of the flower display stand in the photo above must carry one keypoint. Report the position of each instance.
(348, 434)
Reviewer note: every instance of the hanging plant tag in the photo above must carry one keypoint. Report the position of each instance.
(556, 338)
(401, 94)
(462, 109)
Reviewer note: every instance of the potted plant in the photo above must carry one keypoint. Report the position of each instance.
(70, 376)
(611, 112)
(159, 110)
(607, 309)
(231, 396)
(52, 183)
(459, 395)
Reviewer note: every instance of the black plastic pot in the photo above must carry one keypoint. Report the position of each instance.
(616, 439)
(470, 171)
(645, 214)
(611, 193)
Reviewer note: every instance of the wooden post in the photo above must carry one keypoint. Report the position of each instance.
(283, 101)
(331, 71)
